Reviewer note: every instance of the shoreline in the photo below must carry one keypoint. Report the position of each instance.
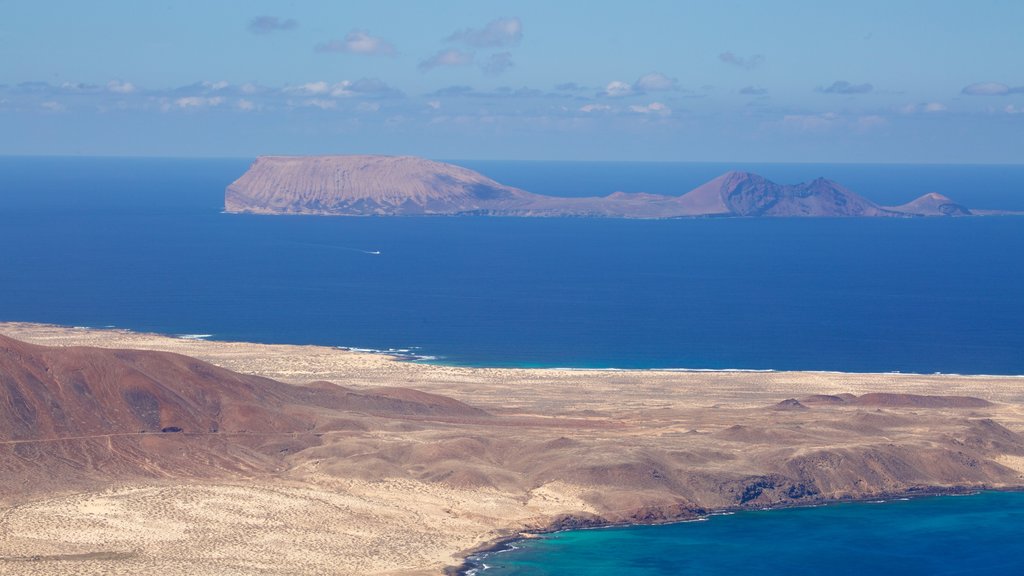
(407, 355)
(564, 449)
(477, 555)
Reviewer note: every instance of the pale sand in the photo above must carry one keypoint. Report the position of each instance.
(341, 519)
(336, 527)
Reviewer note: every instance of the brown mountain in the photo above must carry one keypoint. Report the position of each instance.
(746, 194)
(407, 186)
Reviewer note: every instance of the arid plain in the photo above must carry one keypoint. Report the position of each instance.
(391, 467)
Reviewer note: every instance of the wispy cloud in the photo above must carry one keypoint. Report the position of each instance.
(451, 57)
(358, 42)
(991, 89)
(753, 91)
(371, 87)
(869, 122)
(844, 87)
(746, 63)
(198, 102)
(592, 108)
(321, 103)
(652, 108)
(268, 24)
(570, 87)
(501, 92)
(655, 82)
(498, 63)
(616, 89)
(495, 34)
(924, 107)
(119, 87)
(810, 122)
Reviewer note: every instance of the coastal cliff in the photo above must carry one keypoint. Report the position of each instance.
(409, 186)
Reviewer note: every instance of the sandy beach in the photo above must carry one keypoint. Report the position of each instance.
(559, 447)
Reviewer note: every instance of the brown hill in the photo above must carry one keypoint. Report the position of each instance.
(72, 392)
(933, 204)
(77, 416)
(898, 400)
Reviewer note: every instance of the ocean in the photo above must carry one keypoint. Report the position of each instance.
(142, 244)
(978, 534)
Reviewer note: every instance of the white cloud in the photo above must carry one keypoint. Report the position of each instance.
(268, 24)
(434, 104)
(617, 88)
(120, 87)
(368, 107)
(990, 89)
(198, 102)
(652, 108)
(246, 105)
(844, 87)
(925, 107)
(52, 106)
(359, 42)
(810, 122)
(588, 108)
(219, 85)
(366, 87)
(496, 33)
(450, 57)
(1011, 109)
(321, 103)
(311, 88)
(655, 81)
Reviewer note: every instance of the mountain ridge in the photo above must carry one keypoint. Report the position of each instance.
(366, 185)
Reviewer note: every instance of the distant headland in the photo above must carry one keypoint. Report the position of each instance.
(410, 186)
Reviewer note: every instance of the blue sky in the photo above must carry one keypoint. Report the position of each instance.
(782, 81)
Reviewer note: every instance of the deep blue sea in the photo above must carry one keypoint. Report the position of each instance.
(981, 534)
(142, 244)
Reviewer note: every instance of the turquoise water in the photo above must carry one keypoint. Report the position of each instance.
(981, 534)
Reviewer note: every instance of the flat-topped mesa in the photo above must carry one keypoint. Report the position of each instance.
(365, 185)
(409, 186)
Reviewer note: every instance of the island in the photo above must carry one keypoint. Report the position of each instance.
(136, 453)
(410, 186)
